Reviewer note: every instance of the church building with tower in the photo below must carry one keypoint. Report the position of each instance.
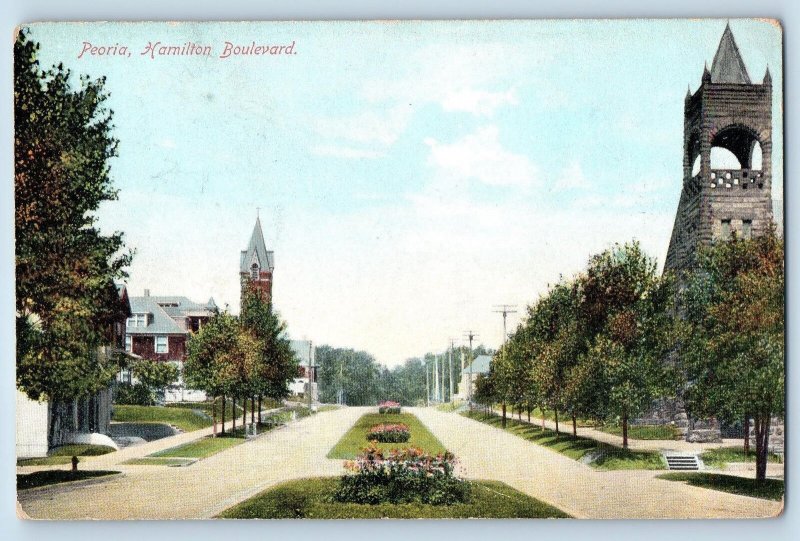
(257, 264)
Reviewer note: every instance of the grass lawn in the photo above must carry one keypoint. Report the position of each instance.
(768, 489)
(450, 406)
(157, 461)
(644, 432)
(608, 457)
(64, 453)
(202, 448)
(311, 498)
(183, 418)
(52, 477)
(356, 438)
(327, 407)
(719, 458)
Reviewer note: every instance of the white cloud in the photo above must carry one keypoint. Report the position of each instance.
(481, 156)
(572, 178)
(477, 102)
(337, 151)
(167, 143)
(368, 127)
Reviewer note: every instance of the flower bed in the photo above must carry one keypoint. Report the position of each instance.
(401, 476)
(389, 407)
(389, 433)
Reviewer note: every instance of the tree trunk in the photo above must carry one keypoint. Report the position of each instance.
(223, 414)
(504, 414)
(625, 430)
(244, 412)
(214, 414)
(529, 413)
(259, 408)
(519, 413)
(542, 418)
(574, 426)
(762, 445)
(746, 434)
(555, 412)
(233, 414)
(252, 409)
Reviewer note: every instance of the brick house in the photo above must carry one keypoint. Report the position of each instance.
(158, 329)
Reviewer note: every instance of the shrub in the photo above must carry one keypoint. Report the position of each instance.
(389, 433)
(133, 395)
(389, 407)
(401, 476)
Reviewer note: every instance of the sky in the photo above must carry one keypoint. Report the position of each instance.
(409, 176)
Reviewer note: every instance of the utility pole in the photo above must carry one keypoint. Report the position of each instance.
(427, 385)
(505, 309)
(470, 335)
(450, 367)
(310, 373)
(436, 378)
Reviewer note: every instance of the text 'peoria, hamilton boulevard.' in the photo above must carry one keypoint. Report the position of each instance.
(155, 49)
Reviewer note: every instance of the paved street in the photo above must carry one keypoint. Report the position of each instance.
(203, 489)
(487, 452)
(298, 450)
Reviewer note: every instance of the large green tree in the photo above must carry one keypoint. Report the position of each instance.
(276, 364)
(630, 308)
(65, 268)
(221, 359)
(734, 357)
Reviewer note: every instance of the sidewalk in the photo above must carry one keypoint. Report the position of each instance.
(565, 427)
(109, 460)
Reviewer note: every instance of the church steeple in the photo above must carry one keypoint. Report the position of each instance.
(257, 263)
(728, 66)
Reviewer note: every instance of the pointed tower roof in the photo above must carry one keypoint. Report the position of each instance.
(257, 251)
(728, 66)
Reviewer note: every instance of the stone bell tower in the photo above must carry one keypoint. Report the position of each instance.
(730, 118)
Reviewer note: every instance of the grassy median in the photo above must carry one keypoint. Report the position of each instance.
(54, 477)
(311, 498)
(598, 455)
(356, 438)
(768, 489)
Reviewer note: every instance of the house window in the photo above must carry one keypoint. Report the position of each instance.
(138, 320)
(128, 344)
(161, 344)
(726, 229)
(747, 229)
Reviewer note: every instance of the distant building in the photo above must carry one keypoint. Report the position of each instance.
(466, 387)
(158, 329)
(256, 264)
(307, 370)
(43, 425)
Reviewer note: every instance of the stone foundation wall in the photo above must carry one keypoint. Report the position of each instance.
(776, 436)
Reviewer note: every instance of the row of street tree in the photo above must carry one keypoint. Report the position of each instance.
(241, 358)
(606, 343)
